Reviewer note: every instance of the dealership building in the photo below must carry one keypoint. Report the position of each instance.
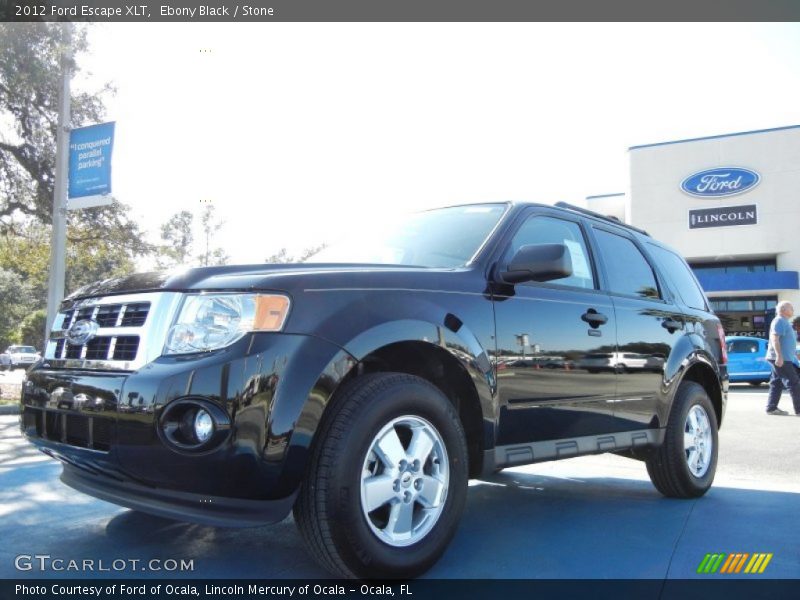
(731, 205)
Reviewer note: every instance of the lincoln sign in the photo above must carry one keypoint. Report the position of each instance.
(723, 216)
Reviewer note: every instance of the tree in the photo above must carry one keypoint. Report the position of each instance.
(31, 330)
(29, 76)
(179, 245)
(282, 256)
(177, 233)
(279, 257)
(29, 83)
(309, 252)
(210, 226)
(14, 305)
(27, 254)
(102, 242)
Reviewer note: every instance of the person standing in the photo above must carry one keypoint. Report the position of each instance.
(782, 359)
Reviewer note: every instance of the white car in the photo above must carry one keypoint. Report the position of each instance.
(19, 356)
(621, 362)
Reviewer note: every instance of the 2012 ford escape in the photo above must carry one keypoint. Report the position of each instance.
(363, 390)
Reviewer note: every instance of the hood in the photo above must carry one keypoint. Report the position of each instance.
(278, 277)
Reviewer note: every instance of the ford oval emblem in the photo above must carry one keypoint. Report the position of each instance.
(81, 332)
(720, 182)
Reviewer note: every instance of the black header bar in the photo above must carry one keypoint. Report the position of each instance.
(423, 589)
(399, 10)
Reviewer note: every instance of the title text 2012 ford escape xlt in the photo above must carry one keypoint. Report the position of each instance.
(362, 391)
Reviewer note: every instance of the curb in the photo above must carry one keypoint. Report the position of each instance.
(9, 409)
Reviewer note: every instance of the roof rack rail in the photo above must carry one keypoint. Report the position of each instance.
(597, 215)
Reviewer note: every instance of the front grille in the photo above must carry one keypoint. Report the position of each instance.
(75, 430)
(126, 347)
(132, 314)
(103, 347)
(84, 313)
(135, 314)
(123, 347)
(73, 351)
(68, 319)
(107, 315)
(97, 348)
(130, 331)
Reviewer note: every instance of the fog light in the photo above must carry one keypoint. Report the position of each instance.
(194, 425)
(203, 426)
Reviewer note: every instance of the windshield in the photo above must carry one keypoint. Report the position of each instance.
(444, 237)
(22, 349)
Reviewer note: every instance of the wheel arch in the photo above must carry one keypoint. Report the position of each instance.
(449, 357)
(700, 370)
(449, 375)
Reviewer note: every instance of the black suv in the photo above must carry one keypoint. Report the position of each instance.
(363, 390)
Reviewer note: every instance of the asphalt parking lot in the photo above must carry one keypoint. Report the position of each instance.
(591, 517)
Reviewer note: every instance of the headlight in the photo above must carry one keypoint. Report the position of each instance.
(212, 321)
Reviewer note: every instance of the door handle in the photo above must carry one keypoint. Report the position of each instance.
(671, 324)
(594, 318)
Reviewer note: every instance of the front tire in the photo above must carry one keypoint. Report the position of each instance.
(685, 464)
(387, 480)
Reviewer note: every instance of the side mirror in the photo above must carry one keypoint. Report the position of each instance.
(539, 262)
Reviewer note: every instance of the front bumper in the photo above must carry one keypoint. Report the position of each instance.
(181, 506)
(111, 447)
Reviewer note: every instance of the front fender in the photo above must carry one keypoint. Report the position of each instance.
(303, 420)
(450, 335)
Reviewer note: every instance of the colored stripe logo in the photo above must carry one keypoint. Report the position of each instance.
(738, 562)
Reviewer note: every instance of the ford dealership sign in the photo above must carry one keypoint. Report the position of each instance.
(720, 182)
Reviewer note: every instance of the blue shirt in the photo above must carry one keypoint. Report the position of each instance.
(787, 340)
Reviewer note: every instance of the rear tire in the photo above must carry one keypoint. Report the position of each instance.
(369, 508)
(685, 464)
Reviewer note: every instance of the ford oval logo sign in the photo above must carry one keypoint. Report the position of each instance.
(720, 182)
(81, 332)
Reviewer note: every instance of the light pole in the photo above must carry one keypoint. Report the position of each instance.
(58, 242)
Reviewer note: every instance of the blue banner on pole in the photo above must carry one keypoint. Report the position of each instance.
(90, 160)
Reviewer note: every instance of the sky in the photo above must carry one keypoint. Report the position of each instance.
(297, 133)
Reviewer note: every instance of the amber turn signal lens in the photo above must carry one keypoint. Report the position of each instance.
(270, 313)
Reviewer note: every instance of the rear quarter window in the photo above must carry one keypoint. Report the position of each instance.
(627, 269)
(742, 347)
(680, 276)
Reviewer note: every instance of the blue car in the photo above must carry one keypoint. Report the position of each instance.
(747, 360)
